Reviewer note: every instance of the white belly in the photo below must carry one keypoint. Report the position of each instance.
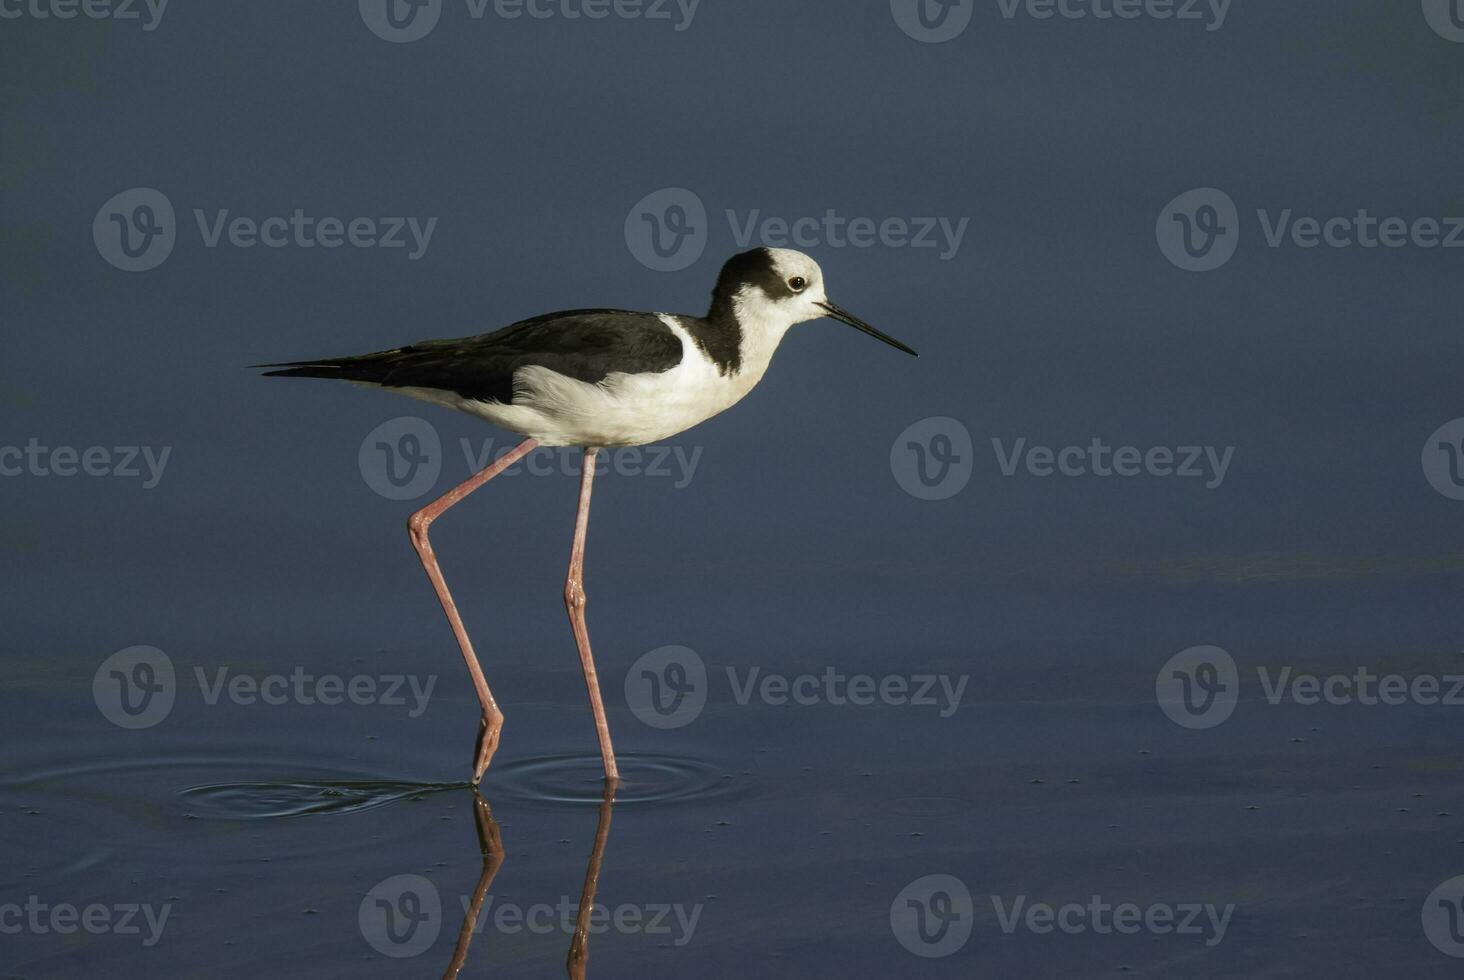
(622, 410)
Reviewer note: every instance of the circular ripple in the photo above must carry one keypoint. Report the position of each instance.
(266, 801)
(66, 809)
(579, 780)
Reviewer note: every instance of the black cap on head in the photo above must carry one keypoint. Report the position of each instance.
(754, 267)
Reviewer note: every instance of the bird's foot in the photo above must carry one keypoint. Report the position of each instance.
(488, 732)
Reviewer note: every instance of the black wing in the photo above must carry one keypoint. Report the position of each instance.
(586, 345)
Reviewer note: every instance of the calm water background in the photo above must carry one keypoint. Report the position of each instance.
(791, 829)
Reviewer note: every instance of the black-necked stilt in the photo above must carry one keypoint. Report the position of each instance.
(594, 378)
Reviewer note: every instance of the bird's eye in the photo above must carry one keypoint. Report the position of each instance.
(798, 284)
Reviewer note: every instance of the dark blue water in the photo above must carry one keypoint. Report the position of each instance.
(914, 736)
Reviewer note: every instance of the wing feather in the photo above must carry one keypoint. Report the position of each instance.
(587, 345)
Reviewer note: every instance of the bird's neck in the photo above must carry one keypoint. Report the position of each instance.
(756, 323)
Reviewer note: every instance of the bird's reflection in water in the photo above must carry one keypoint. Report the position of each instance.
(579, 951)
(490, 845)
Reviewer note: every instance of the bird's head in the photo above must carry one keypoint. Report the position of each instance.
(777, 288)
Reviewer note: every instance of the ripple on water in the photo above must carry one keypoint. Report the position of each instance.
(273, 800)
(579, 780)
(66, 810)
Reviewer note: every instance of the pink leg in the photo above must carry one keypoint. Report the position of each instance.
(574, 602)
(492, 723)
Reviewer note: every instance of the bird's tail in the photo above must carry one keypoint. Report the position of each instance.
(367, 368)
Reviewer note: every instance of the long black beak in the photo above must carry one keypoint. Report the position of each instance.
(844, 316)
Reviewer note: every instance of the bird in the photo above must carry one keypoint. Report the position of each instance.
(596, 379)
